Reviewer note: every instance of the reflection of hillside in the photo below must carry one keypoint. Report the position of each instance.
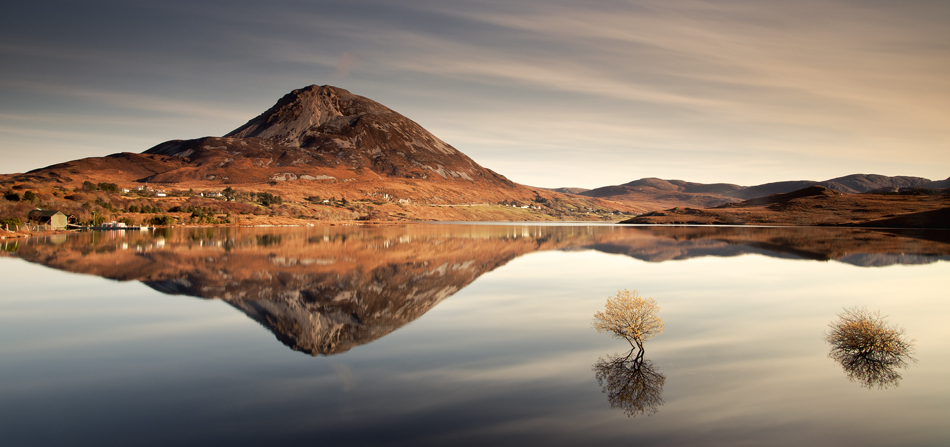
(865, 248)
(324, 290)
(321, 291)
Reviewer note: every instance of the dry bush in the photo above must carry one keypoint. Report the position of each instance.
(869, 350)
(629, 316)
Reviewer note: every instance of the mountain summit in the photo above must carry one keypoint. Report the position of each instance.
(324, 126)
(301, 114)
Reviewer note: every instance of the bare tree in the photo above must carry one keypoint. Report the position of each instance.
(868, 349)
(629, 316)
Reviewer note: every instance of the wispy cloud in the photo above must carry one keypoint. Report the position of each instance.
(644, 81)
(131, 101)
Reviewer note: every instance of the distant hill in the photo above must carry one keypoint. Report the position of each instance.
(655, 194)
(569, 190)
(816, 205)
(849, 184)
(660, 194)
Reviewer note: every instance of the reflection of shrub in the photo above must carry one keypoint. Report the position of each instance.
(266, 240)
(162, 233)
(868, 349)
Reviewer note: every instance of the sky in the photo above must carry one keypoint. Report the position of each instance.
(549, 93)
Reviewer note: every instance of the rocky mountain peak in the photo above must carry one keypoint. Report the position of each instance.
(301, 110)
(313, 130)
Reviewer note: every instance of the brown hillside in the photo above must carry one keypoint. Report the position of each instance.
(325, 142)
(657, 194)
(816, 205)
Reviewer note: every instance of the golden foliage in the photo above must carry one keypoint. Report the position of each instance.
(629, 316)
(868, 349)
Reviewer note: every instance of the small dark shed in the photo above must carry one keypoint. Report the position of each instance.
(55, 219)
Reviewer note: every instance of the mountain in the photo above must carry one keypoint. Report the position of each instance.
(816, 205)
(328, 127)
(654, 193)
(322, 142)
(658, 194)
(569, 190)
(849, 184)
(325, 135)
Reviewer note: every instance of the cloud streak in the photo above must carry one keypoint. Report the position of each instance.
(840, 85)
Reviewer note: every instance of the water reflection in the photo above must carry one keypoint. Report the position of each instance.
(863, 248)
(631, 383)
(322, 290)
(325, 290)
(870, 351)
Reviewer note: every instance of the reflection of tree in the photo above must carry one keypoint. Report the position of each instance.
(632, 384)
(868, 349)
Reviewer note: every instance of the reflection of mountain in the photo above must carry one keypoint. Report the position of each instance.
(323, 311)
(321, 291)
(324, 290)
(864, 248)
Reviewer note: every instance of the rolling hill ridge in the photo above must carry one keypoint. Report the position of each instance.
(659, 194)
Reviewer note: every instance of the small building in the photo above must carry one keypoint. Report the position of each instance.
(55, 219)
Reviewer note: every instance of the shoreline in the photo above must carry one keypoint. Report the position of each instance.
(4, 234)
(21, 234)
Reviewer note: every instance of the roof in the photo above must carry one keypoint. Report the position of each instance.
(45, 213)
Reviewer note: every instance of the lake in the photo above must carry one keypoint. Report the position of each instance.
(467, 334)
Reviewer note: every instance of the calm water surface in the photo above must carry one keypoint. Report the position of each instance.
(463, 335)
